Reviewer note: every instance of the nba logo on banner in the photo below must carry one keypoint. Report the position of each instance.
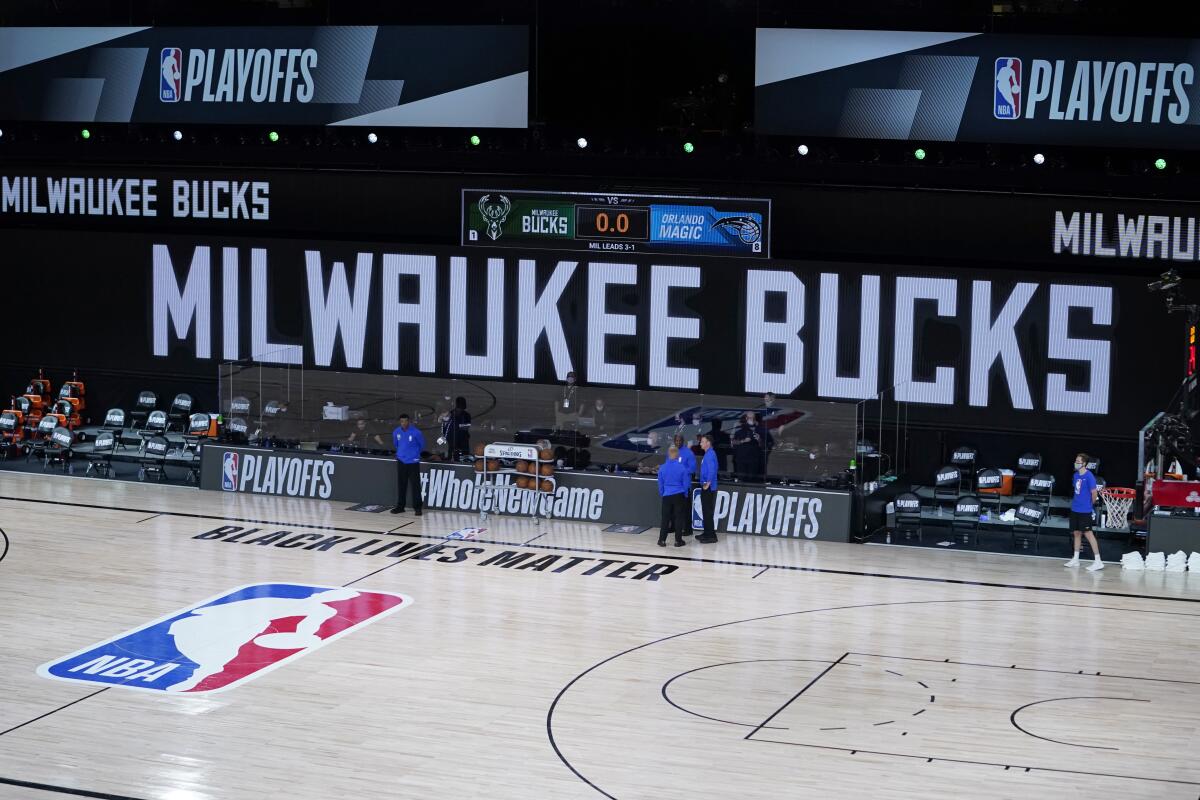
(1007, 89)
(229, 472)
(170, 80)
(697, 511)
(226, 640)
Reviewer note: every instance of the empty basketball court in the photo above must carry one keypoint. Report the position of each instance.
(751, 668)
(517, 400)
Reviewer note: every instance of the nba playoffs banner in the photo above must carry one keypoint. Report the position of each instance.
(934, 86)
(579, 496)
(427, 76)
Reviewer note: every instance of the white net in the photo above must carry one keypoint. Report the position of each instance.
(1117, 503)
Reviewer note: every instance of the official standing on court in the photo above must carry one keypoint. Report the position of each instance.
(674, 483)
(456, 430)
(708, 489)
(409, 443)
(688, 459)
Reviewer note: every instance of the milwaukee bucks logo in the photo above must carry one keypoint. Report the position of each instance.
(495, 214)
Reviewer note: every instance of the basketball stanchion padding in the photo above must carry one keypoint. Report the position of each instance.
(1117, 502)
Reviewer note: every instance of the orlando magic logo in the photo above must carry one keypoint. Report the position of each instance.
(495, 214)
(170, 82)
(1007, 101)
(747, 229)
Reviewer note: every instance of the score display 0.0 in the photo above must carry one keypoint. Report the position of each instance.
(617, 222)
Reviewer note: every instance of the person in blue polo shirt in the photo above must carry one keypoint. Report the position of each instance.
(688, 459)
(1083, 504)
(674, 483)
(708, 489)
(409, 443)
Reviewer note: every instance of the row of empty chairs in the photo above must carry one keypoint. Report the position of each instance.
(1028, 478)
(966, 519)
(146, 409)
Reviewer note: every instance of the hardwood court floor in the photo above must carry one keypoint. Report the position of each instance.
(756, 668)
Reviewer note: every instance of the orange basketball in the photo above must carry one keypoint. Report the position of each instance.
(479, 449)
(547, 486)
(522, 466)
(526, 483)
(547, 469)
(546, 454)
(479, 465)
(493, 464)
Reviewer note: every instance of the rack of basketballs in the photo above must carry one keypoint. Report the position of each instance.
(528, 468)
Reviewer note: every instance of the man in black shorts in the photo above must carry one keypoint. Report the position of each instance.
(1083, 504)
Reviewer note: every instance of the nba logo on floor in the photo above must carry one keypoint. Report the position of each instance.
(1007, 88)
(170, 78)
(229, 472)
(226, 640)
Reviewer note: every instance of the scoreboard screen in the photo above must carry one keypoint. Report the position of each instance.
(620, 223)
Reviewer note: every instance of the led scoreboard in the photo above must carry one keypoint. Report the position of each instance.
(619, 223)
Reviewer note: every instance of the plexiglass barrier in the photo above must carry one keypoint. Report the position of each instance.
(589, 427)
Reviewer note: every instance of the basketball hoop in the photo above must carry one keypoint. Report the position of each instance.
(1117, 502)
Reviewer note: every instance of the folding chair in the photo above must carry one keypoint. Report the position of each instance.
(987, 484)
(965, 523)
(237, 431)
(147, 402)
(70, 402)
(114, 420)
(12, 432)
(200, 427)
(59, 450)
(22, 406)
(114, 423)
(964, 457)
(1028, 524)
(69, 412)
(75, 391)
(36, 446)
(100, 457)
(1028, 464)
(239, 407)
(945, 486)
(153, 460)
(156, 425)
(1041, 488)
(908, 515)
(32, 408)
(181, 409)
(41, 388)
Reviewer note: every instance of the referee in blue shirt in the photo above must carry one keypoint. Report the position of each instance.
(409, 442)
(708, 489)
(674, 483)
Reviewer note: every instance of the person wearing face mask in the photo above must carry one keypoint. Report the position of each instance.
(749, 448)
(362, 437)
(566, 408)
(600, 416)
(708, 489)
(688, 459)
(1083, 505)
